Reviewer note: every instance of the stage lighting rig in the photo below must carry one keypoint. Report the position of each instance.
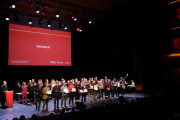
(65, 26)
(79, 29)
(30, 20)
(74, 17)
(37, 9)
(57, 13)
(12, 4)
(7, 17)
(49, 23)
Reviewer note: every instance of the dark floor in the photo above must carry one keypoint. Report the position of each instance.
(28, 110)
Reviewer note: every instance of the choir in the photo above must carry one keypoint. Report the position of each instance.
(57, 90)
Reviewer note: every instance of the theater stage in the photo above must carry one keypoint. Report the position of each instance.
(28, 110)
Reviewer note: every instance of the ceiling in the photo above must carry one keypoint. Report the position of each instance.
(84, 9)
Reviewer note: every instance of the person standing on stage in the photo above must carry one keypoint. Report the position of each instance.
(38, 96)
(83, 87)
(113, 82)
(122, 84)
(71, 94)
(68, 83)
(24, 92)
(47, 81)
(107, 89)
(3, 96)
(118, 88)
(102, 81)
(75, 83)
(109, 81)
(31, 91)
(94, 90)
(96, 80)
(105, 78)
(53, 83)
(45, 96)
(64, 95)
(78, 86)
(100, 86)
(18, 90)
(56, 95)
(89, 90)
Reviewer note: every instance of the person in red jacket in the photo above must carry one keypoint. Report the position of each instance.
(24, 92)
(71, 93)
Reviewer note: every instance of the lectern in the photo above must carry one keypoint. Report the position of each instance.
(9, 98)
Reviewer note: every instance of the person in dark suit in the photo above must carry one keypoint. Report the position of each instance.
(122, 86)
(31, 91)
(3, 96)
(83, 87)
(56, 95)
(107, 89)
(38, 96)
(89, 90)
(95, 79)
(105, 78)
(18, 89)
(95, 90)
(78, 86)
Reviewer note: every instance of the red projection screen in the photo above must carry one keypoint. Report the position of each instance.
(38, 46)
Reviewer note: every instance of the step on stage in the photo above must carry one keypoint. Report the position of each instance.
(28, 110)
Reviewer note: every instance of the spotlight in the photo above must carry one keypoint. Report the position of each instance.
(37, 9)
(40, 21)
(60, 24)
(75, 18)
(30, 20)
(65, 26)
(7, 17)
(57, 14)
(49, 23)
(12, 3)
(79, 30)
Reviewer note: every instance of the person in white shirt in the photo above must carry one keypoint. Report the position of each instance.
(53, 83)
(132, 86)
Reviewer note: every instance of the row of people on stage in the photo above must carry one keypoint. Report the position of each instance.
(75, 88)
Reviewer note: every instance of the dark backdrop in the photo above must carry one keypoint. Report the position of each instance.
(102, 50)
(125, 43)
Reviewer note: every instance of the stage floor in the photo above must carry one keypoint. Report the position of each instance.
(28, 110)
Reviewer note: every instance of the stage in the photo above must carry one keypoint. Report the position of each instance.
(28, 110)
